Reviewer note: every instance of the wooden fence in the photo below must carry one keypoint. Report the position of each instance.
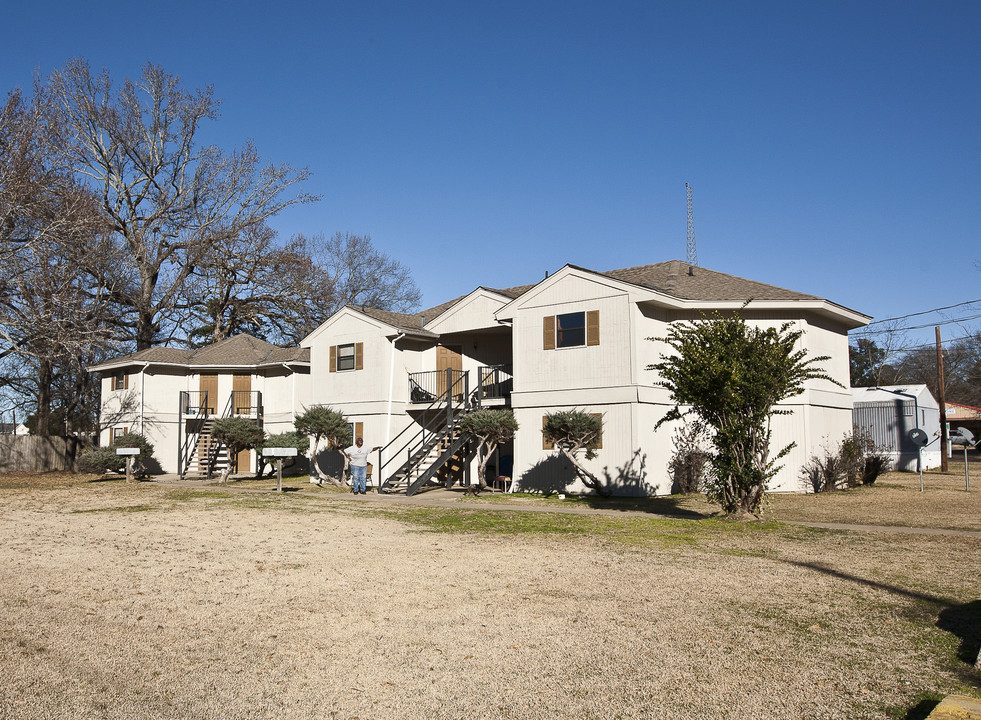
(26, 453)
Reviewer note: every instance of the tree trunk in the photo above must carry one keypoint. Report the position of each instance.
(588, 479)
(43, 417)
(315, 463)
(488, 449)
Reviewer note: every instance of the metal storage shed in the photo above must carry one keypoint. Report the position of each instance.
(889, 412)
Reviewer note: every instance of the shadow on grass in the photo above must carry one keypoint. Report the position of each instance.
(669, 506)
(963, 620)
(921, 711)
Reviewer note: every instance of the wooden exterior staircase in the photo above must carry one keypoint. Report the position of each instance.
(439, 453)
(200, 454)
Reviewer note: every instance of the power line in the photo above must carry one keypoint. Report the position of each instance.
(955, 321)
(925, 312)
(946, 341)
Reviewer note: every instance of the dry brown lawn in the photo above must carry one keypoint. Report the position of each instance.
(149, 601)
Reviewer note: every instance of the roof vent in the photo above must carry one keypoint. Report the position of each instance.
(691, 271)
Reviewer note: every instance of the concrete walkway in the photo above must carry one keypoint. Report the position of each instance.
(453, 498)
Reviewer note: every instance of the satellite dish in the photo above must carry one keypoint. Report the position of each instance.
(918, 437)
(966, 434)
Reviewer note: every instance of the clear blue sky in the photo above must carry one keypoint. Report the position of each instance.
(834, 147)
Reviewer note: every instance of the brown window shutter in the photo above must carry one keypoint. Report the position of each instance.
(546, 443)
(358, 430)
(126, 381)
(592, 327)
(598, 443)
(333, 359)
(359, 356)
(112, 436)
(548, 332)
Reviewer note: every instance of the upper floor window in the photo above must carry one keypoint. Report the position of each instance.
(120, 381)
(571, 330)
(346, 357)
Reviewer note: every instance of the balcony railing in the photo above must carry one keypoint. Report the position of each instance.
(247, 403)
(198, 402)
(494, 382)
(202, 403)
(425, 387)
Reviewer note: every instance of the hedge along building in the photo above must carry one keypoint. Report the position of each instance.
(579, 339)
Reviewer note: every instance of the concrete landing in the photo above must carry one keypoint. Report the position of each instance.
(957, 707)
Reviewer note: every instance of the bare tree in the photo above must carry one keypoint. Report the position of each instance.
(284, 292)
(167, 200)
(51, 317)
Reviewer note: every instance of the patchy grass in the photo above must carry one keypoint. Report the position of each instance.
(52, 480)
(627, 530)
(895, 499)
(120, 509)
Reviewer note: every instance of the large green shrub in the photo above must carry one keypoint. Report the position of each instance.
(105, 460)
(575, 432)
(290, 439)
(236, 434)
(731, 376)
(491, 427)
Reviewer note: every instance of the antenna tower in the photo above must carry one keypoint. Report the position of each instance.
(692, 252)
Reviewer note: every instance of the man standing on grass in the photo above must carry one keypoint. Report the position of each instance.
(357, 455)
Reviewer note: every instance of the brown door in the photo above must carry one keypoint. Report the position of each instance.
(448, 357)
(242, 405)
(242, 394)
(209, 392)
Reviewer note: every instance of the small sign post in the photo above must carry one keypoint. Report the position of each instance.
(279, 453)
(130, 453)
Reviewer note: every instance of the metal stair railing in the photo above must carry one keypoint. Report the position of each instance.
(189, 439)
(215, 447)
(459, 442)
(436, 424)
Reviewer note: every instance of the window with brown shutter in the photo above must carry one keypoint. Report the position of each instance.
(592, 327)
(120, 381)
(571, 330)
(346, 357)
(597, 444)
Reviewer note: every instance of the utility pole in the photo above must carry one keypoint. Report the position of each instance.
(943, 403)
(692, 252)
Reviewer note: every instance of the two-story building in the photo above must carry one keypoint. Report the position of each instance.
(579, 339)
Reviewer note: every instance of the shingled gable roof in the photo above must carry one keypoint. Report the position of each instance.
(236, 351)
(415, 322)
(687, 282)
